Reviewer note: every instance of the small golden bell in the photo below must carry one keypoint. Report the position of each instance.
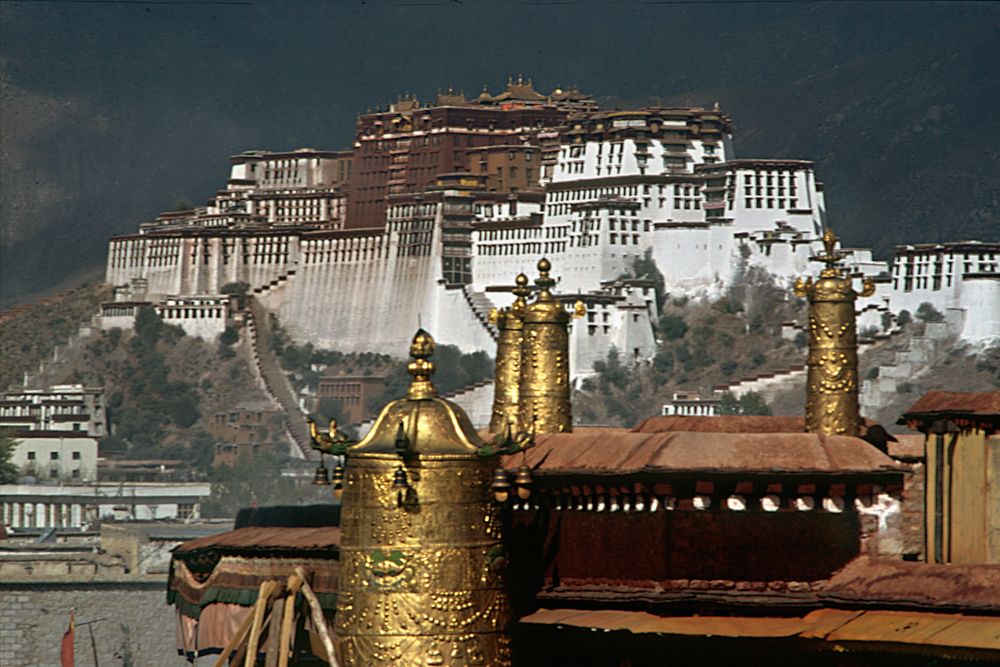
(322, 476)
(399, 480)
(401, 485)
(501, 485)
(523, 482)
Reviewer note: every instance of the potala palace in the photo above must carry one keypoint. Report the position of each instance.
(436, 208)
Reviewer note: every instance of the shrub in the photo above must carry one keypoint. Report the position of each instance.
(672, 327)
(750, 403)
(229, 337)
(928, 313)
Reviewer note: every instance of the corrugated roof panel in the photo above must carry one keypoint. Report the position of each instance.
(260, 538)
(970, 632)
(642, 622)
(824, 621)
(614, 452)
(972, 403)
(835, 625)
(913, 628)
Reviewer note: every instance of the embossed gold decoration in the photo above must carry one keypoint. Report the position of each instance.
(507, 377)
(421, 562)
(832, 382)
(543, 400)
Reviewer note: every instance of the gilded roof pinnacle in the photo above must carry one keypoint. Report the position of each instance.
(544, 281)
(421, 367)
(831, 256)
(521, 291)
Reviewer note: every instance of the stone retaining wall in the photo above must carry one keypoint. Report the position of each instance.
(137, 623)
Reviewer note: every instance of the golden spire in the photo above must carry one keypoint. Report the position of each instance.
(507, 376)
(832, 381)
(543, 398)
(421, 367)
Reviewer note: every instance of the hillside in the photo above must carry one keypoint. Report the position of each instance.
(112, 112)
(30, 333)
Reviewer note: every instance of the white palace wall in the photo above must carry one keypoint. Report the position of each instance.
(370, 293)
(980, 300)
(200, 264)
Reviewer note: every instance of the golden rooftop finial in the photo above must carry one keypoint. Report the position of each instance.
(521, 291)
(544, 281)
(543, 395)
(507, 376)
(421, 367)
(831, 383)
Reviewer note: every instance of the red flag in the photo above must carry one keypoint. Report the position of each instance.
(66, 658)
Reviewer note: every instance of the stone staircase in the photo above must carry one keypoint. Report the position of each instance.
(481, 306)
(771, 383)
(273, 379)
(54, 370)
(914, 358)
(274, 283)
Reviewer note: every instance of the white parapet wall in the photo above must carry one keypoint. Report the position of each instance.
(74, 506)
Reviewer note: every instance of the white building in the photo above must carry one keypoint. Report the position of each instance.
(64, 407)
(75, 506)
(56, 430)
(691, 404)
(616, 187)
(200, 315)
(960, 278)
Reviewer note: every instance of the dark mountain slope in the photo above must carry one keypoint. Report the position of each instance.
(112, 112)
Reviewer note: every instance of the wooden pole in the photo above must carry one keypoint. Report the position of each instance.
(93, 645)
(273, 647)
(288, 619)
(318, 618)
(241, 632)
(266, 588)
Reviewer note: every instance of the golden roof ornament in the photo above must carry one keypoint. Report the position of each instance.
(507, 376)
(832, 380)
(543, 396)
(422, 566)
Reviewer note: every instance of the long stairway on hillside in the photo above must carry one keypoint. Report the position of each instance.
(275, 382)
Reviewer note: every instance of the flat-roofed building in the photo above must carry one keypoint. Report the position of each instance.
(351, 393)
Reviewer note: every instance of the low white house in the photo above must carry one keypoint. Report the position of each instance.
(74, 506)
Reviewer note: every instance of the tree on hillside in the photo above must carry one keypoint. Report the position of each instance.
(252, 481)
(672, 327)
(928, 313)
(646, 268)
(750, 403)
(8, 471)
(148, 325)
